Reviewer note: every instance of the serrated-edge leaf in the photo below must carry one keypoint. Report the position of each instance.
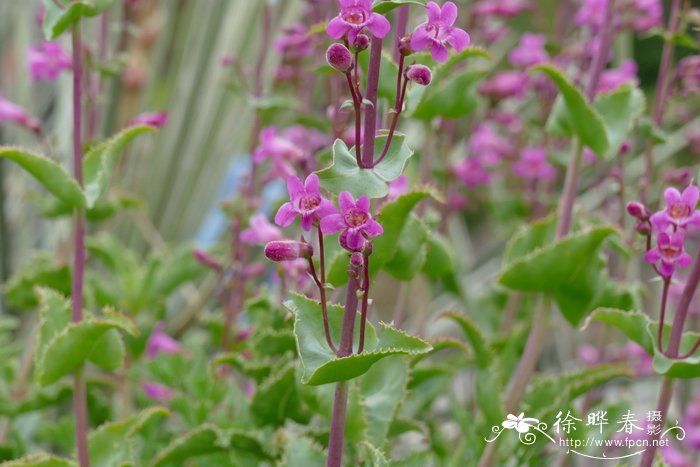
(474, 336)
(100, 160)
(218, 443)
(635, 330)
(385, 6)
(50, 174)
(40, 460)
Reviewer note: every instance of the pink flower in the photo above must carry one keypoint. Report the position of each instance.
(505, 84)
(260, 231)
(501, 8)
(159, 342)
(354, 16)
(591, 13)
(472, 172)
(276, 147)
(47, 60)
(354, 220)
(489, 146)
(645, 14)
(156, 119)
(533, 165)
(670, 252)
(13, 113)
(398, 187)
(530, 51)
(294, 42)
(612, 79)
(439, 31)
(305, 201)
(680, 209)
(688, 75)
(157, 392)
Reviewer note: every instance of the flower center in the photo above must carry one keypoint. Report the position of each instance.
(669, 251)
(356, 217)
(679, 210)
(355, 15)
(309, 202)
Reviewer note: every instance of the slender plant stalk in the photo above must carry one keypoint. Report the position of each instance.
(533, 346)
(375, 62)
(400, 95)
(79, 390)
(662, 314)
(662, 82)
(337, 434)
(674, 345)
(365, 304)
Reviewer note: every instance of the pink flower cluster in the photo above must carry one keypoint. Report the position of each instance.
(47, 60)
(670, 225)
(305, 201)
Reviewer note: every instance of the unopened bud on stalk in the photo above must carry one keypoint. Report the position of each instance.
(405, 46)
(643, 228)
(361, 42)
(419, 74)
(288, 250)
(638, 210)
(357, 260)
(207, 260)
(339, 57)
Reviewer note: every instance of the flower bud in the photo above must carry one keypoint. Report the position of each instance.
(405, 46)
(288, 250)
(361, 42)
(638, 210)
(643, 228)
(343, 239)
(339, 57)
(419, 74)
(357, 260)
(207, 260)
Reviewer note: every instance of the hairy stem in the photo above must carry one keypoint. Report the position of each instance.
(365, 300)
(375, 62)
(662, 314)
(400, 94)
(79, 389)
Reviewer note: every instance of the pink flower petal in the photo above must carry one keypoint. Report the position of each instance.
(345, 201)
(312, 184)
(671, 196)
(459, 39)
(337, 28)
(690, 196)
(332, 224)
(373, 228)
(449, 13)
(439, 52)
(285, 215)
(420, 39)
(294, 187)
(378, 25)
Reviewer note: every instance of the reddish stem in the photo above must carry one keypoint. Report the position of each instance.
(365, 304)
(662, 314)
(375, 62)
(79, 389)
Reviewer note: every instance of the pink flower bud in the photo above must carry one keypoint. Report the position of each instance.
(405, 46)
(638, 210)
(419, 74)
(288, 250)
(361, 42)
(339, 57)
(207, 260)
(357, 260)
(643, 228)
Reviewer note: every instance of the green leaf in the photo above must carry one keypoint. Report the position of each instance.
(619, 111)
(440, 256)
(549, 267)
(110, 443)
(385, 6)
(277, 399)
(49, 174)
(208, 439)
(382, 389)
(41, 270)
(100, 161)
(410, 255)
(477, 340)
(40, 460)
(394, 216)
(302, 451)
(345, 175)
(573, 115)
(633, 324)
(64, 346)
(321, 365)
(452, 97)
(374, 456)
(57, 19)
